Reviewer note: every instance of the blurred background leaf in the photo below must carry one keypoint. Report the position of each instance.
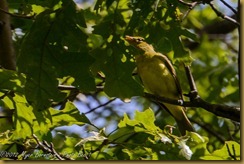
(74, 76)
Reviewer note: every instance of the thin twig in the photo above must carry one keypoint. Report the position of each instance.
(234, 152)
(230, 7)
(66, 87)
(185, 3)
(102, 105)
(193, 89)
(18, 16)
(223, 16)
(50, 149)
(70, 87)
(195, 3)
(190, 5)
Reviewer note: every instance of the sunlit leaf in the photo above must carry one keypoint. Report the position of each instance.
(23, 118)
(224, 154)
(68, 116)
(11, 80)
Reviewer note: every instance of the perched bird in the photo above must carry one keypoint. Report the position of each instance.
(159, 78)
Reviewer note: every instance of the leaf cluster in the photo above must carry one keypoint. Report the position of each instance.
(72, 58)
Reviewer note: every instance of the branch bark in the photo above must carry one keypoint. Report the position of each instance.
(225, 111)
(49, 148)
(7, 56)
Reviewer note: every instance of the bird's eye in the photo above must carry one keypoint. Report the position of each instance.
(139, 39)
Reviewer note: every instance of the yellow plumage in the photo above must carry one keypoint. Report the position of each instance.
(159, 78)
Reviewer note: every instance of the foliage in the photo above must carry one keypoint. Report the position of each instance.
(72, 57)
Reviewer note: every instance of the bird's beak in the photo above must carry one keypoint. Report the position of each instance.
(129, 39)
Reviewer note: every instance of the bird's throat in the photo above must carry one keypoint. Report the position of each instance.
(144, 47)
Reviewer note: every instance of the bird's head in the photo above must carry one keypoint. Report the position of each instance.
(134, 40)
(139, 43)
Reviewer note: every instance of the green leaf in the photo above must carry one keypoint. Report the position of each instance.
(119, 82)
(189, 34)
(11, 80)
(49, 119)
(174, 34)
(68, 116)
(109, 3)
(49, 52)
(141, 153)
(146, 118)
(117, 69)
(5, 138)
(99, 29)
(23, 118)
(141, 15)
(45, 121)
(164, 45)
(77, 65)
(55, 45)
(198, 145)
(122, 133)
(75, 15)
(196, 138)
(143, 121)
(68, 147)
(98, 5)
(41, 84)
(101, 156)
(42, 87)
(223, 154)
(40, 126)
(166, 39)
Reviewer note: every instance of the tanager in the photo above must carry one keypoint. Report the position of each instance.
(159, 78)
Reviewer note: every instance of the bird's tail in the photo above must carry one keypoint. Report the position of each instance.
(184, 125)
(180, 117)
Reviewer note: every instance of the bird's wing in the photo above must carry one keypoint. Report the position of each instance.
(135, 72)
(172, 71)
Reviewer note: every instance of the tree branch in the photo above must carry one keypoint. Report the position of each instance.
(49, 148)
(209, 2)
(7, 55)
(102, 105)
(229, 6)
(225, 111)
(15, 15)
(223, 16)
(190, 5)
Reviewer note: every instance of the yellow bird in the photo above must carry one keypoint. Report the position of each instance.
(159, 78)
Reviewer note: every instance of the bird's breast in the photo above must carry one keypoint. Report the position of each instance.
(156, 77)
